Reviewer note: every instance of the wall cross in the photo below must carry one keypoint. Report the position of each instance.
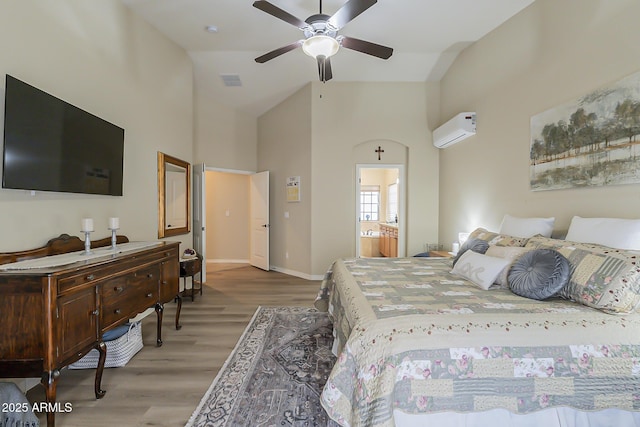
(379, 151)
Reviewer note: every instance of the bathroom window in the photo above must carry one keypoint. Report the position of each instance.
(370, 203)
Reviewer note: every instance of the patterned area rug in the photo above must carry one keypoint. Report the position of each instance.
(275, 374)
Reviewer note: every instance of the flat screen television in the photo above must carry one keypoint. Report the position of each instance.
(51, 145)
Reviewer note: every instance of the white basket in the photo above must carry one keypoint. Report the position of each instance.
(119, 350)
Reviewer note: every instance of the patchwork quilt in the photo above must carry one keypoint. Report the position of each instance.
(413, 337)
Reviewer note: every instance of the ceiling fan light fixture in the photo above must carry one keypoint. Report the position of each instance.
(320, 45)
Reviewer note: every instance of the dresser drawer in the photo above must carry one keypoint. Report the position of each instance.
(125, 296)
(171, 252)
(157, 256)
(122, 286)
(70, 282)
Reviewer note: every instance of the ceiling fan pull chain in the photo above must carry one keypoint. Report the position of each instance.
(321, 7)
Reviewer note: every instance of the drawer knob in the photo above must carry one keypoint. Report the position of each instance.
(116, 311)
(118, 288)
(95, 312)
(149, 295)
(91, 277)
(150, 275)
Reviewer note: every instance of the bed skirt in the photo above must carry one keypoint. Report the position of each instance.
(551, 417)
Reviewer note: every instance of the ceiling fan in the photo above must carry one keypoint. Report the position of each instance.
(321, 34)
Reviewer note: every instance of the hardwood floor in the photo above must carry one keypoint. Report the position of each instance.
(161, 386)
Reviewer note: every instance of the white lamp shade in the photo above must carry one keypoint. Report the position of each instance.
(320, 46)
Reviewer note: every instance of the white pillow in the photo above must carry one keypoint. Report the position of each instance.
(613, 232)
(511, 254)
(526, 227)
(481, 269)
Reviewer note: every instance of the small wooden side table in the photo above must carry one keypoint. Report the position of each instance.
(189, 267)
(443, 254)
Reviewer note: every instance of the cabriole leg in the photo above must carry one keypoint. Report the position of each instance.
(178, 325)
(49, 381)
(102, 349)
(159, 311)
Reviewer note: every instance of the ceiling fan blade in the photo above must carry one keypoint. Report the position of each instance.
(369, 48)
(277, 52)
(324, 69)
(272, 10)
(349, 11)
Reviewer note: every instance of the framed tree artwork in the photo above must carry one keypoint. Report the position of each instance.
(590, 141)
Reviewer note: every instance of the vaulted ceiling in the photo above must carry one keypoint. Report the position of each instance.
(426, 36)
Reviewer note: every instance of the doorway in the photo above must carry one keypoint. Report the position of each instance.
(380, 208)
(229, 205)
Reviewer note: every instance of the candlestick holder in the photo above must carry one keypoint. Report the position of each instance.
(87, 242)
(113, 238)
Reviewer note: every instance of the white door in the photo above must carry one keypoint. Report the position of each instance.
(199, 216)
(259, 207)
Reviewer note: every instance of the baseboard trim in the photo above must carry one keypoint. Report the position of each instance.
(227, 261)
(296, 273)
(271, 267)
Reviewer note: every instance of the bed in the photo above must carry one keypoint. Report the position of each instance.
(420, 345)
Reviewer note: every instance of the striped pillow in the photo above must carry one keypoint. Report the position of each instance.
(601, 277)
(497, 239)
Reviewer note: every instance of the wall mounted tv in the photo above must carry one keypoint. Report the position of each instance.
(51, 145)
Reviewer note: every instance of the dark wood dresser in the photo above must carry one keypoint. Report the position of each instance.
(53, 316)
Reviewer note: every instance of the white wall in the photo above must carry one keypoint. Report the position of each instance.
(224, 137)
(552, 52)
(321, 133)
(228, 216)
(284, 149)
(350, 120)
(101, 58)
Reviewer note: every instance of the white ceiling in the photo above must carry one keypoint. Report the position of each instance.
(426, 36)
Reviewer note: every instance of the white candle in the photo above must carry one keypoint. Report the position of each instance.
(114, 223)
(87, 224)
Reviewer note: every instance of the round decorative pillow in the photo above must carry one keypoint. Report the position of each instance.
(539, 274)
(475, 245)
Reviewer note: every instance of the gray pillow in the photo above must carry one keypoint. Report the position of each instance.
(539, 274)
(475, 245)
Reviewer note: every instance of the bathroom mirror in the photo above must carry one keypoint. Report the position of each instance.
(174, 196)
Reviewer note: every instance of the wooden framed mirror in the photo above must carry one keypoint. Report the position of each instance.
(174, 196)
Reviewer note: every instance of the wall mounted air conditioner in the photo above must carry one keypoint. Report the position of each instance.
(462, 126)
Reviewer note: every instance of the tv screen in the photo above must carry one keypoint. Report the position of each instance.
(51, 145)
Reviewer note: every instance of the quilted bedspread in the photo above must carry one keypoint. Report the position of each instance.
(415, 338)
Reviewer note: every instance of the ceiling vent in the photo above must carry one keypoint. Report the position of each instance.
(231, 80)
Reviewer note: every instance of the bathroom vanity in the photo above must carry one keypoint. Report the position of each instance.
(389, 240)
